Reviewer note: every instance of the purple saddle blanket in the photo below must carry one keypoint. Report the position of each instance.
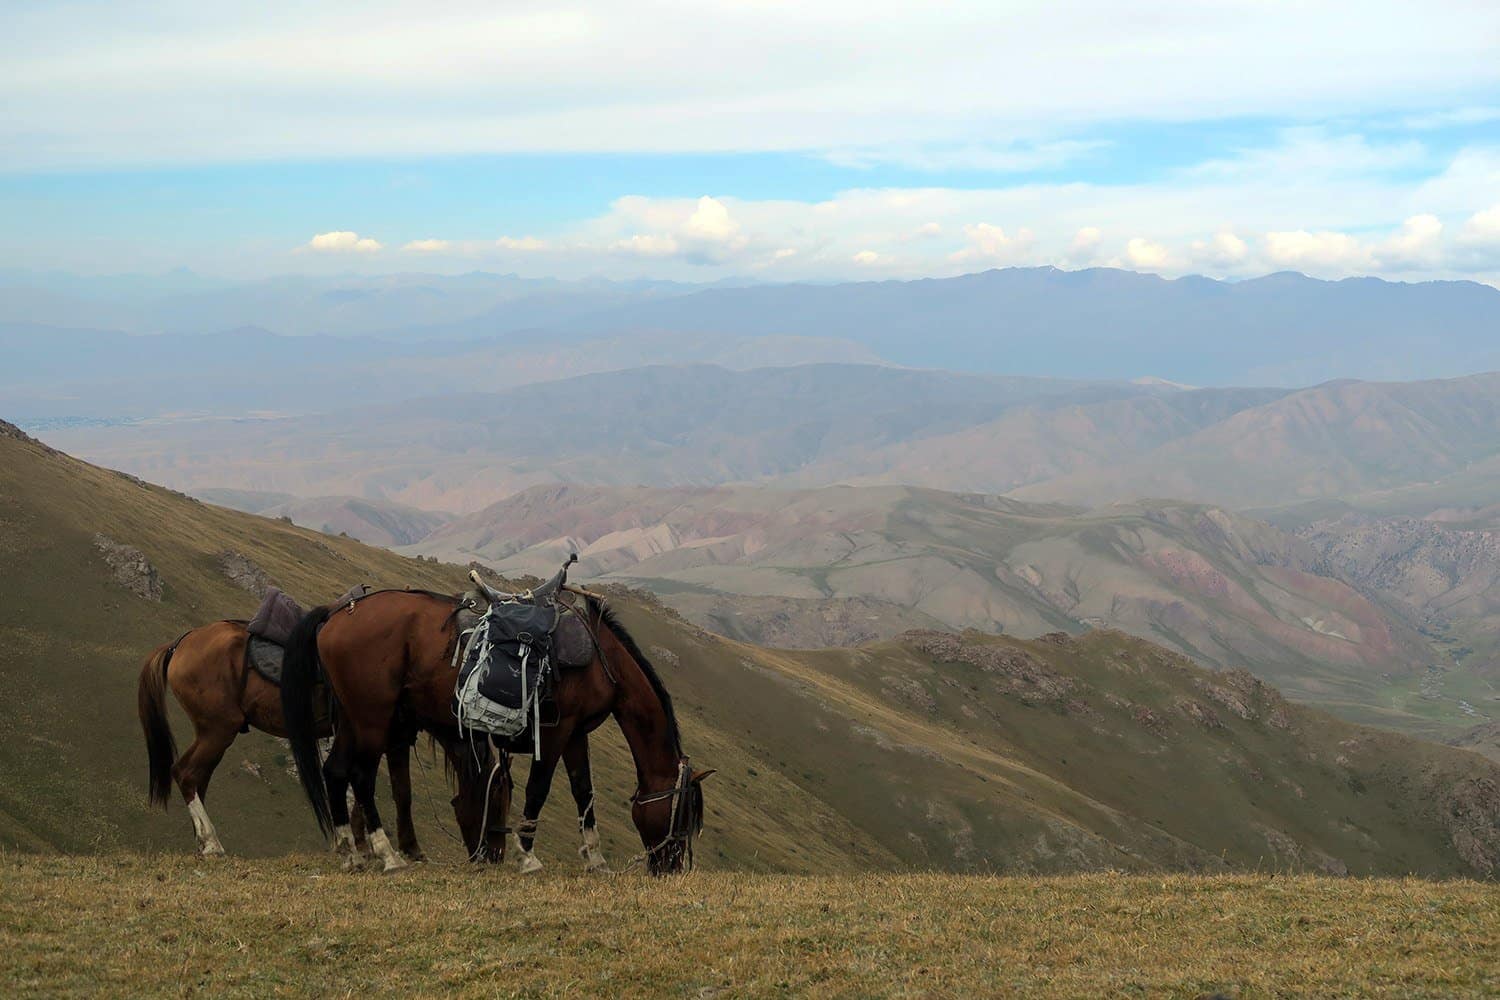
(278, 615)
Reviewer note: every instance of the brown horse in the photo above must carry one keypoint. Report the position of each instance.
(223, 696)
(391, 655)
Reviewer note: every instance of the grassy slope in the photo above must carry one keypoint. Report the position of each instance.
(278, 928)
(878, 757)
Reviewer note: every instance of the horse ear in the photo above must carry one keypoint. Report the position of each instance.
(705, 773)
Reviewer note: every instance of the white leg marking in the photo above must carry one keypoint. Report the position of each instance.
(343, 846)
(381, 845)
(208, 837)
(593, 857)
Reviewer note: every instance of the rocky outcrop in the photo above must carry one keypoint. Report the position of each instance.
(244, 573)
(1020, 673)
(131, 569)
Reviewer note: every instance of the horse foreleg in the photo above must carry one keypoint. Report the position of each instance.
(192, 772)
(581, 780)
(398, 762)
(538, 784)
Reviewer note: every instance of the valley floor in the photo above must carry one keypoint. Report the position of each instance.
(157, 925)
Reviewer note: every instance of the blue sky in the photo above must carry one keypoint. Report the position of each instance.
(764, 140)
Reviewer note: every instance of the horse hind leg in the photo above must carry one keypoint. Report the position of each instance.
(192, 773)
(336, 771)
(581, 781)
(367, 766)
(398, 762)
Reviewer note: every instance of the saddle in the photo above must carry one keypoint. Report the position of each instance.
(272, 625)
(506, 661)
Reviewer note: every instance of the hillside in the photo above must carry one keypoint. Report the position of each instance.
(843, 565)
(928, 750)
(1331, 441)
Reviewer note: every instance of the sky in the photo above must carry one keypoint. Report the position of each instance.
(751, 140)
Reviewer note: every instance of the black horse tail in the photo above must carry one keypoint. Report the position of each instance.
(161, 747)
(299, 675)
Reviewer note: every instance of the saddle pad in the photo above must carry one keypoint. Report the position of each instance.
(277, 616)
(572, 643)
(266, 657)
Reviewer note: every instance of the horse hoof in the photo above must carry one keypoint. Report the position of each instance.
(416, 856)
(395, 864)
(211, 851)
(530, 865)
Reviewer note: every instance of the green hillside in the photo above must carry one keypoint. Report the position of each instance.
(929, 750)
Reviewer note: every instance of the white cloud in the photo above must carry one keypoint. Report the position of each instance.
(1416, 246)
(526, 244)
(711, 222)
(1224, 251)
(1315, 253)
(1323, 221)
(1085, 246)
(646, 245)
(428, 246)
(1144, 255)
(605, 76)
(341, 241)
(989, 244)
(1014, 158)
(1483, 227)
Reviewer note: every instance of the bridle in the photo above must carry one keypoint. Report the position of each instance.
(680, 828)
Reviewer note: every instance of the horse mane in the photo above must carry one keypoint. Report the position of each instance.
(608, 617)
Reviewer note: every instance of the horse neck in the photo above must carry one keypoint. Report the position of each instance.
(642, 717)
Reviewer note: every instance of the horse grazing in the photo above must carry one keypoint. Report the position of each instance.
(207, 671)
(391, 655)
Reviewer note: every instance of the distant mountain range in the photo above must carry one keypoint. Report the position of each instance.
(1103, 324)
(1083, 443)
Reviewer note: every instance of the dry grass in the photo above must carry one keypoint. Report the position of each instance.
(139, 924)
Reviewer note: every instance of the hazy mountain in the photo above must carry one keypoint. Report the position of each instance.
(847, 564)
(401, 306)
(685, 425)
(970, 753)
(56, 374)
(1434, 443)
(1343, 439)
(1283, 329)
(374, 522)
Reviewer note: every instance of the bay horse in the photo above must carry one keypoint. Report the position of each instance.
(391, 654)
(206, 671)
